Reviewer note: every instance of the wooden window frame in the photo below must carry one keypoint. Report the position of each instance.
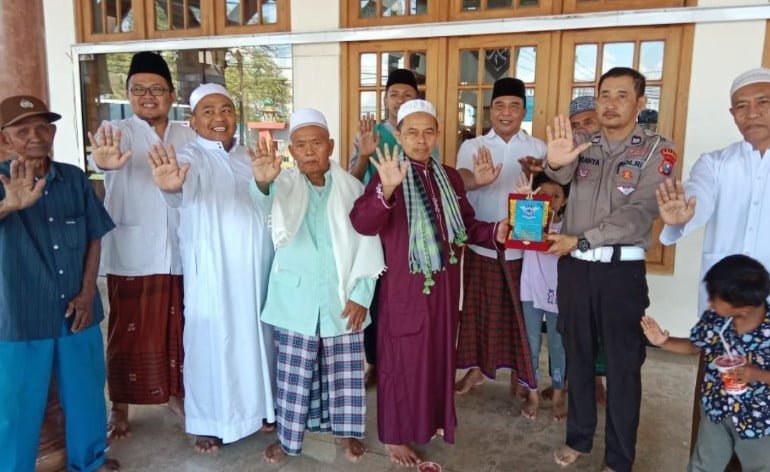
(577, 6)
(283, 13)
(350, 9)
(766, 50)
(546, 7)
(203, 30)
(83, 17)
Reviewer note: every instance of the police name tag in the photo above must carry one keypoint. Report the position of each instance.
(529, 216)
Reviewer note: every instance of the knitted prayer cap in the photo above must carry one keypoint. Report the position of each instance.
(507, 87)
(306, 117)
(205, 90)
(402, 76)
(149, 63)
(581, 104)
(415, 106)
(753, 76)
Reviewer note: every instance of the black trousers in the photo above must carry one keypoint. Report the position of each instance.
(370, 333)
(604, 300)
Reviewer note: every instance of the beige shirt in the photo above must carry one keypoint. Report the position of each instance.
(612, 192)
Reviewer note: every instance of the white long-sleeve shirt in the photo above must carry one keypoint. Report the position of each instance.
(732, 191)
(491, 201)
(144, 241)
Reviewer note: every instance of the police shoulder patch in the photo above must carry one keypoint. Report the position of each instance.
(668, 154)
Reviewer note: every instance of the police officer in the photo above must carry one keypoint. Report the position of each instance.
(602, 289)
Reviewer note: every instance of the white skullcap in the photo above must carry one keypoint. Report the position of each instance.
(306, 117)
(205, 90)
(753, 76)
(415, 106)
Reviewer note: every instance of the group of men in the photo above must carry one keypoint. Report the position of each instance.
(240, 292)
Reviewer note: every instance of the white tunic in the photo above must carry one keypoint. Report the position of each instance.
(491, 201)
(226, 255)
(144, 239)
(732, 191)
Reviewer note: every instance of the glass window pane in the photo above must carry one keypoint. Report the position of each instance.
(526, 59)
(617, 55)
(367, 9)
(580, 91)
(469, 67)
(183, 15)
(418, 63)
(269, 12)
(486, 122)
(471, 5)
(390, 62)
(651, 59)
(467, 115)
(368, 103)
(585, 63)
(526, 123)
(393, 7)
(111, 16)
(497, 63)
(529, 3)
(418, 7)
(499, 3)
(648, 118)
(383, 109)
(369, 69)
(249, 13)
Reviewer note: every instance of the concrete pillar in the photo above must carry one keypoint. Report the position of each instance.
(22, 49)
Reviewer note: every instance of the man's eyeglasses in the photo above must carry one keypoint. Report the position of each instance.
(155, 90)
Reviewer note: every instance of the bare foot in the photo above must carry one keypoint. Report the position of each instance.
(118, 427)
(370, 376)
(268, 427)
(531, 404)
(402, 455)
(521, 392)
(109, 464)
(439, 432)
(471, 379)
(274, 453)
(565, 455)
(176, 405)
(547, 394)
(207, 444)
(601, 392)
(354, 449)
(559, 405)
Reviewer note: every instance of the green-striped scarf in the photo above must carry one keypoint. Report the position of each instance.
(425, 238)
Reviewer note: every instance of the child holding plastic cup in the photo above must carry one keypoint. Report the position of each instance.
(734, 335)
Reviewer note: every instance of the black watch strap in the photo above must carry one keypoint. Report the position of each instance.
(583, 244)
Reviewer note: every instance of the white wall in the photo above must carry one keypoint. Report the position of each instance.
(709, 127)
(59, 36)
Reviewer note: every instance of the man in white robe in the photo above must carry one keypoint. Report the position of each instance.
(226, 255)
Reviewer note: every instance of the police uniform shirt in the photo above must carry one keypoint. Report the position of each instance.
(612, 192)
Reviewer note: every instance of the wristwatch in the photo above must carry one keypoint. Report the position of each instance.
(582, 244)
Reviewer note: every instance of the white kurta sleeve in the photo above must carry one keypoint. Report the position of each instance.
(465, 156)
(702, 184)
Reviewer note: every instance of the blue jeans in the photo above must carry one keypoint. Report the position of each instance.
(77, 361)
(533, 320)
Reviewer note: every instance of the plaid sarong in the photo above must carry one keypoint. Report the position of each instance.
(492, 333)
(144, 339)
(320, 387)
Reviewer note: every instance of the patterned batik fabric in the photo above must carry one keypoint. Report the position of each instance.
(144, 339)
(750, 410)
(492, 332)
(320, 387)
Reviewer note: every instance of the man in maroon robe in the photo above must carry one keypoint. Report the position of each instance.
(419, 209)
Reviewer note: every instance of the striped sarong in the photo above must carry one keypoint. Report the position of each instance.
(320, 387)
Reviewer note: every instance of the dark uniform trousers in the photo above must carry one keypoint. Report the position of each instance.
(607, 300)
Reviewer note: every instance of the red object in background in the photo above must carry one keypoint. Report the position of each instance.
(524, 244)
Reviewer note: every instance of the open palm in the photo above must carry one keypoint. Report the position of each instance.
(484, 170)
(368, 138)
(265, 162)
(561, 147)
(674, 208)
(169, 176)
(391, 171)
(105, 148)
(21, 190)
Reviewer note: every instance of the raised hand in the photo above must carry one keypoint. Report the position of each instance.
(524, 185)
(531, 165)
(368, 138)
(265, 163)
(673, 207)
(652, 330)
(105, 148)
(561, 148)
(484, 170)
(391, 171)
(169, 176)
(21, 190)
